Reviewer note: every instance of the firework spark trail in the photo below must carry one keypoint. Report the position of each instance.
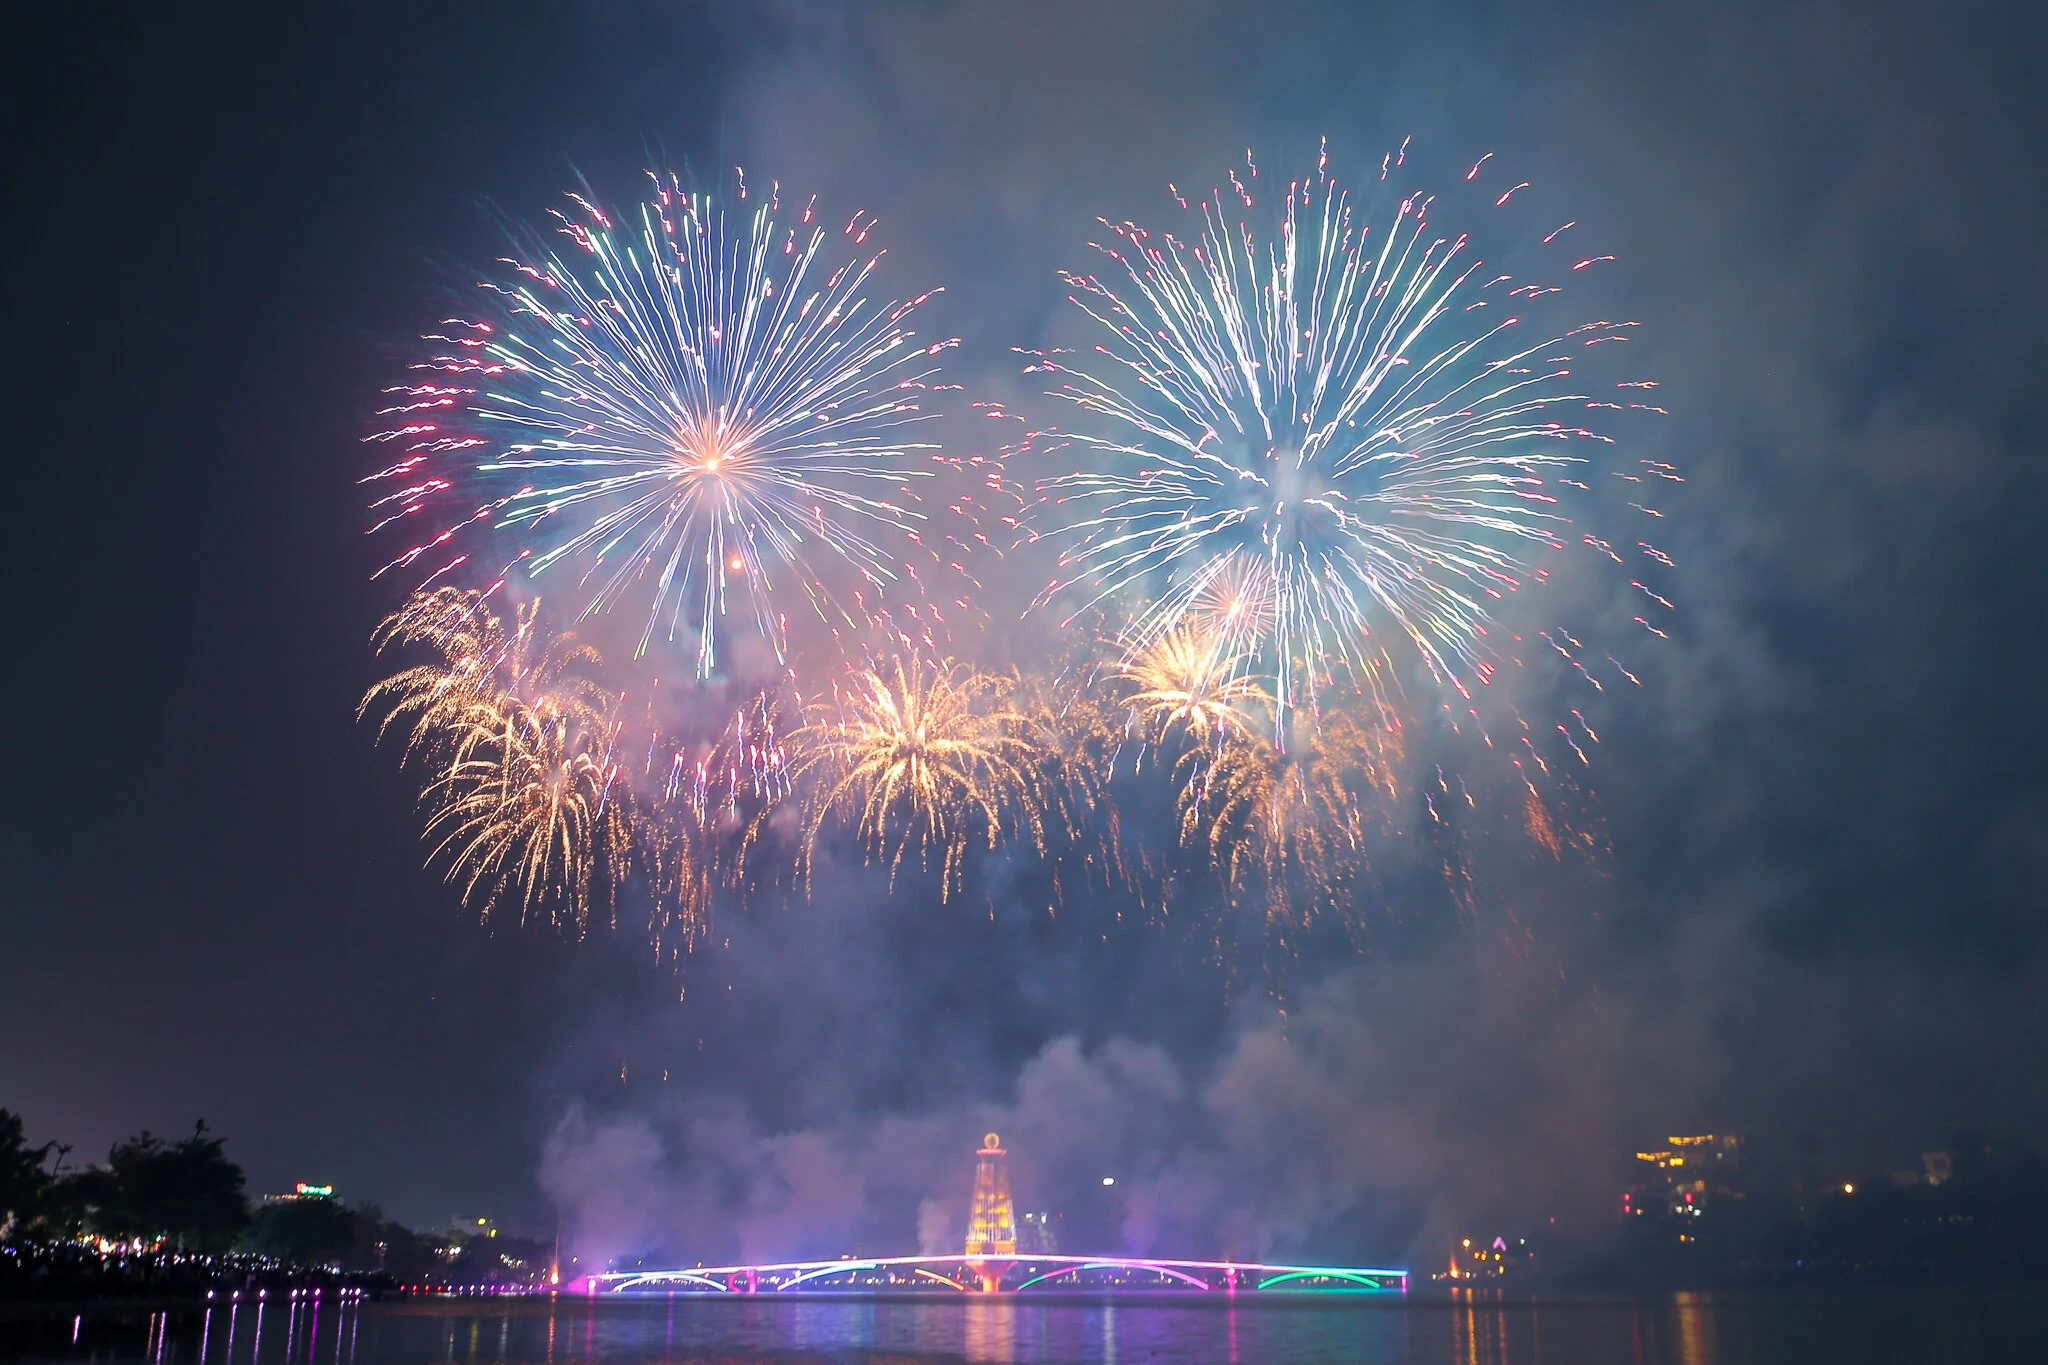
(1290, 822)
(1081, 730)
(747, 767)
(928, 759)
(1314, 425)
(725, 790)
(683, 408)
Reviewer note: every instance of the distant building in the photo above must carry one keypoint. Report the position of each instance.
(1686, 1175)
(302, 1191)
(1489, 1258)
(1038, 1234)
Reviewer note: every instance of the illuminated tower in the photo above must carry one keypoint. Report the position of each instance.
(992, 1229)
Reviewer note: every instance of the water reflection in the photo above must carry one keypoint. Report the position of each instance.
(1469, 1328)
(316, 1332)
(1696, 1345)
(992, 1330)
(1479, 1328)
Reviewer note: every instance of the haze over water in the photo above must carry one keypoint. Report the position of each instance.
(1795, 1328)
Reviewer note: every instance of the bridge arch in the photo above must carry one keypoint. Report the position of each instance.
(1164, 1270)
(1365, 1281)
(668, 1277)
(835, 1268)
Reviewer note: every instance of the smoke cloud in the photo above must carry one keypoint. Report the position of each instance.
(1784, 941)
(1820, 922)
(1363, 1123)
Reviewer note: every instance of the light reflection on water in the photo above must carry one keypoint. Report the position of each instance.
(1795, 1328)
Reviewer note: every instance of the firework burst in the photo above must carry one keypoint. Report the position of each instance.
(529, 812)
(927, 759)
(525, 800)
(683, 409)
(1188, 681)
(1316, 441)
(485, 676)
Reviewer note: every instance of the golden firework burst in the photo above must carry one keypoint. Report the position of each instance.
(927, 759)
(525, 802)
(530, 811)
(1189, 682)
(487, 677)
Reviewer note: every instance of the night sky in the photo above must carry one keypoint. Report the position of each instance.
(1821, 922)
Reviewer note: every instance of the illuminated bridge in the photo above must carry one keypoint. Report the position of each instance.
(992, 1263)
(999, 1275)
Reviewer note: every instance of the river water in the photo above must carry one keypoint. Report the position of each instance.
(1796, 1328)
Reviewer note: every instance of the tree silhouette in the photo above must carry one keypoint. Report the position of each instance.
(23, 1181)
(306, 1231)
(186, 1193)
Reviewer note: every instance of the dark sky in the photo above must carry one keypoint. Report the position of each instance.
(1822, 919)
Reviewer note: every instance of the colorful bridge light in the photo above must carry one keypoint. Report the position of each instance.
(1004, 1274)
